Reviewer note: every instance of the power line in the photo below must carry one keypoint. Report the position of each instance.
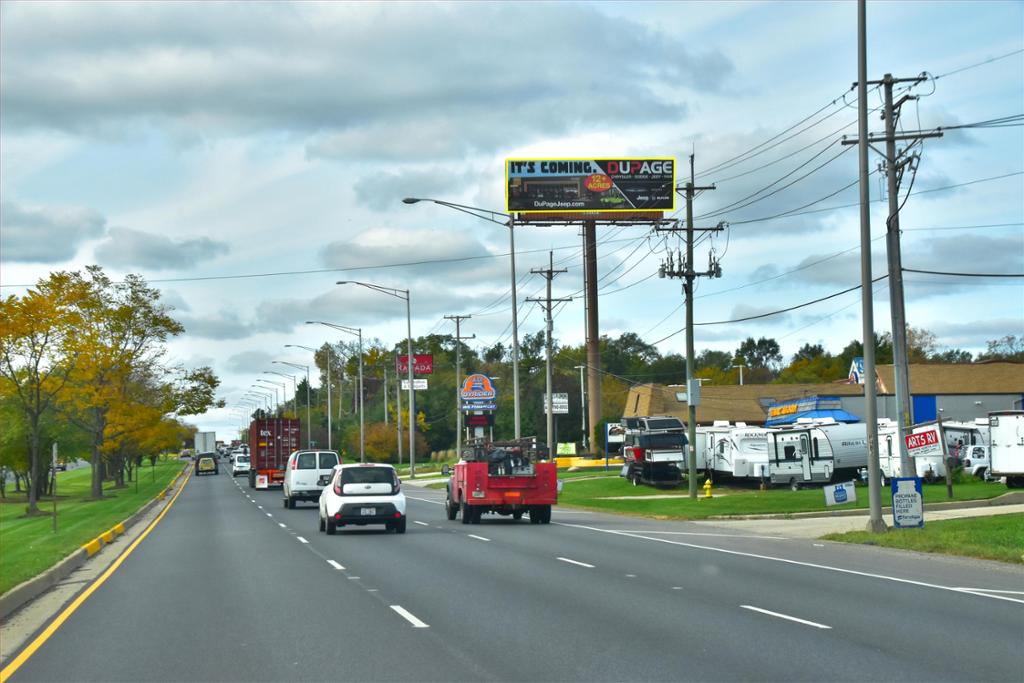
(939, 272)
(974, 66)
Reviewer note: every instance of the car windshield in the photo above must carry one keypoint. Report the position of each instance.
(242, 459)
(367, 475)
(665, 423)
(662, 440)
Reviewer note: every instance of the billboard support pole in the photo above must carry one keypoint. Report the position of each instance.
(593, 336)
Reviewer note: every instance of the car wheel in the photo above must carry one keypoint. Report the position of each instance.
(332, 526)
(291, 503)
(284, 503)
(794, 485)
(449, 509)
(635, 479)
(535, 514)
(252, 480)
(321, 519)
(465, 512)
(400, 526)
(545, 517)
(389, 526)
(475, 515)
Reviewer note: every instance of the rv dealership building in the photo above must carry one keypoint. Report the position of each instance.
(959, 391)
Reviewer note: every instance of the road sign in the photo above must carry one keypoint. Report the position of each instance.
(470, 406)
(838, 494)
(421, 365)
(560, 403)
(417, 384)
(478, 387)
(907, 507)
(924, 444)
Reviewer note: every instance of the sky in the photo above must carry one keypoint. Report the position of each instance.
(243, 157)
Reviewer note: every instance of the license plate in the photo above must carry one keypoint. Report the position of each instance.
(368, 512)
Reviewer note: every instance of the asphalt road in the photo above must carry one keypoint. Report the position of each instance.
(230, 586)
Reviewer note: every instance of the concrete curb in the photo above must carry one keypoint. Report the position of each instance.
(29, 590)
(1012, 498)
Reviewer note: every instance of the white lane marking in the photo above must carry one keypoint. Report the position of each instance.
(425, 500)
(408, 616)
(581, 564)
(988, 590)
(697, 533)
(260, 507)
(269, 515)
(785, 616)
(677, 588)
(818, 545)
(479, 538)
(353, 578)
(784, 560)
(421, 523)
(371, 590)
(281, 525)
(630, 576)
(335, 565)
(301, 539)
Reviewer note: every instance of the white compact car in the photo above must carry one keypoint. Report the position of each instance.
(239, 464)
(363, 494)
(306, 474)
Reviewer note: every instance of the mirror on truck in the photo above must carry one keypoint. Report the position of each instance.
(445, 470)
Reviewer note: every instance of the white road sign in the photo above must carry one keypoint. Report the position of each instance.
(417, 384)
(560, 402)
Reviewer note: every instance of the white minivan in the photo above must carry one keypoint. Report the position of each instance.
(306, 475)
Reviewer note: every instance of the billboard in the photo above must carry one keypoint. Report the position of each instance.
(574, 185)
(477, 393)
(421, 365)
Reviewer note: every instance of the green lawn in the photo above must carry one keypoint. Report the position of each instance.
(998, 537)
(593, 494)
(28, 546)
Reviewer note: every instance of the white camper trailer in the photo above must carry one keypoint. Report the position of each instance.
(817, 454)
(736, 451)
(1006, 444)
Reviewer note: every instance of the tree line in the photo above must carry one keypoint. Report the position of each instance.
(625, 361)
(83, 364)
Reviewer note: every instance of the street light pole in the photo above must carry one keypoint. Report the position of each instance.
(358, 331)
(310, 348)
(309, 425)
(401, 294)
(510, 223)
(583, 407)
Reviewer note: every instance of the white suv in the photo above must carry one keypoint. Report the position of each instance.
(239, 464)
(306, 474)
(363, 494)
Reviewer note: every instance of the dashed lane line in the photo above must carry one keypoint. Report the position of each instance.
(785, 616)
(479, 538)
(580, 564)
(421, 523)
(301, 539)
(408, 616)
(336, 565)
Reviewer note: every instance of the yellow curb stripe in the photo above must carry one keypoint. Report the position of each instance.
(30, 650)
(108, 536)
(118, 529)
(92, 547)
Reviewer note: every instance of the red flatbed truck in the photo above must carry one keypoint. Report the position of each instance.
(271, 441)
(506, 478)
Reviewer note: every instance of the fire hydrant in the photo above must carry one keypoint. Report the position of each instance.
(707, 488)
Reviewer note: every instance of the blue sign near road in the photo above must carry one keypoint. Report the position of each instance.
(907, 505)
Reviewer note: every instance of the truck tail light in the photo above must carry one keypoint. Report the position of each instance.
(637, 452)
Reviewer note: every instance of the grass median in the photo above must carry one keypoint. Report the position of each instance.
(999, 537)
(613, 494)
(29, 545)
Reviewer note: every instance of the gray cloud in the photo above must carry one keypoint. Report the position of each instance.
(226, 325)
(322, 70)
(746, 310)
(976, 333)
(46, 234)
(249, 362)
(127, 248)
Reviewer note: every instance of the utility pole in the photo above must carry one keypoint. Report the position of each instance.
(679, 268)
(385, 392)
(593, 339)
(547, 303)
(896, 161)
(458, 378)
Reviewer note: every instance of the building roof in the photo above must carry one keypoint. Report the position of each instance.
(748, 403)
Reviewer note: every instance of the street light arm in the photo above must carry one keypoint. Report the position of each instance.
(485, 214)
(390, 291)
(300, 346)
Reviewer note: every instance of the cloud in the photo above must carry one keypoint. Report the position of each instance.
(226, 325)
(746, 311)
(976, 333)
(422, 249)
(438, 83)
(127, 248)
(381, 191)
(46, 234)
(249, 362)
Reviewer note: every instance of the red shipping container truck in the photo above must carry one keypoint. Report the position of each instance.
(271, 441)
